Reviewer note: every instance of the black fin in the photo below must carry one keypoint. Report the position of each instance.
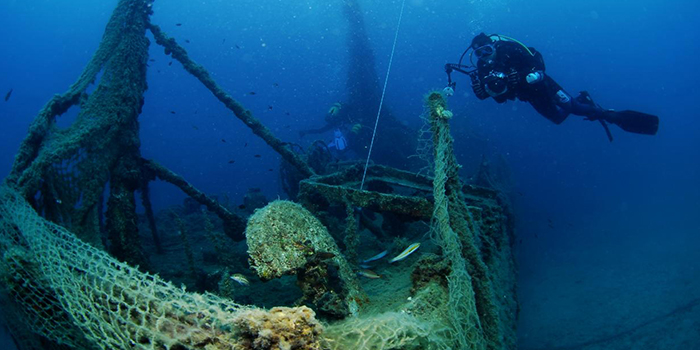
(636, 122)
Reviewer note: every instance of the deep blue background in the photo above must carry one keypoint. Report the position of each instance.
(639, 54)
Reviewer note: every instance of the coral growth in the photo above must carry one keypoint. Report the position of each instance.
(282, 236)
(280, 328)
(322, 287)
(286, 239)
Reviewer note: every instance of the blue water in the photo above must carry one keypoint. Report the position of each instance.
(609, 230)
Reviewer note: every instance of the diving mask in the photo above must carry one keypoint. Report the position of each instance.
(484, 51)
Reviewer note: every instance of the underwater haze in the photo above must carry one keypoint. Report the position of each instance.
(607, 233)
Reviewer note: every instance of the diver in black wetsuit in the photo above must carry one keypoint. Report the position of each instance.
(506, 69)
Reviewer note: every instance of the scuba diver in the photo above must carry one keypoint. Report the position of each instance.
(334, 119)
(506, 69)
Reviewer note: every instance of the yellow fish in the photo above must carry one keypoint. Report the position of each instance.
(240, 279)
(412, 248)
(369, 274)
(356, 128)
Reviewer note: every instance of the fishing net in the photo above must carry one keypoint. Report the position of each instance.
(57, 282)
(76, 295)
(391, 330)
(424, 149)
(472, 313)
(452, 307)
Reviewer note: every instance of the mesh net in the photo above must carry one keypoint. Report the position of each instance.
(60, 285)
(472, 312)
(462, 313)
(76, 295)
(424, 150)
(391, 330)
(79, 296)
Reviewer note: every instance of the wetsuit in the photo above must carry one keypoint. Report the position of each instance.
(503, 77)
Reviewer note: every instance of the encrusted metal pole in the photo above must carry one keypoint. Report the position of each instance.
(234, 225)
(474, 314)
(68, 169)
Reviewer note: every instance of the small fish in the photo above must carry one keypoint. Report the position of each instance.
(172, 112)
(240, 279)
(270, 169)
(238, 47)
(369, 274)
(59, 201)
(187, 41)
(151, 60)
(242, 206)
(178, 24)
(257, 156)
(231, 161)
(376, 257)
(252, 93)
(170, 63)
(223, 40)
(246, 145)
(287, 113)
(269, 107)
(275, 84)
(412, 248)
(223, 140)
(520, 242)
(7, 95)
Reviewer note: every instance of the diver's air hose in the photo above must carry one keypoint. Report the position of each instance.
(381, 101)
(499, 36)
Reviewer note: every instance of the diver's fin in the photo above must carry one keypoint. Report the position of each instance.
(607, 129)
(632, 121)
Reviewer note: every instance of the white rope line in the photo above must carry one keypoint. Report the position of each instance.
(381, 102)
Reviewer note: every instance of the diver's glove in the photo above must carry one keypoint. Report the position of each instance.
(534, 77)
(478, 89)
(513, 79)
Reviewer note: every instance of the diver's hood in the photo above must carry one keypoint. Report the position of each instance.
(481, 40)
